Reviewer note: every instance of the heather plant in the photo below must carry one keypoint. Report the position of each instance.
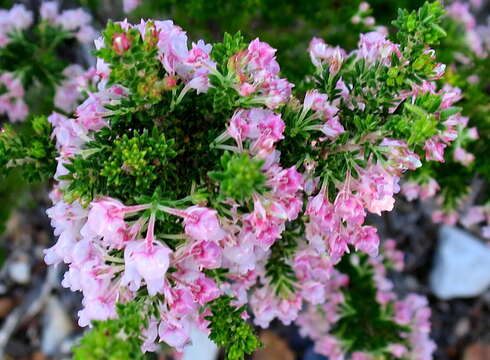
(30, 59)
(285, 25)
(456, 182)
(197, 187)
(36, 76)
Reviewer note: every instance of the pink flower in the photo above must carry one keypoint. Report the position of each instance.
(205, 290)
(397, 350)
(358, 355)
(373, 47)
(275, 93)
(332, 128)
(315, 101)
(150, 335)
(429, 189)
(461, 12)
(376, 187)
(263, 306)
(207, 254)
(330, 347)
(411, 190)
(67, 93)
(86, 34)
(130, 5)
(266, 223)
(474, 216)
(367, 240)
(239, 126)
(309, 264)
(106, 219)
(485, 231)
(473, 133)
(146, 259)
(434, 149)
(150, 263)
(174, 333)
(462, 156)
(11, 102)
(257, 75)
(98, 308)
(313, 292)
(49, 10)
(322, 53)
(289, 308)
(120, 43)
(246, 89)
(183, 302)
(199, 55)
(241, 255)
(202, 224)
(271, 127)
(261, 55)
(349, 207)
(61, 251)
(286, 181)
(264, 124)
(172, 46)
(73, 19)
(450, 96)
(19, 17)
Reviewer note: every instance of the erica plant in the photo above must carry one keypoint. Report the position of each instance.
(197, 188)
(35, 79)
(456, 180)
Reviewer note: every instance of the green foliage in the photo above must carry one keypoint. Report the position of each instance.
(421, 24)
(278, 267)
(453, 178)
(32, 55)
(139, 157)
(231, 45)
(416, 30)
(115, 339)
(225, 97)
(122, 167)
(418, 122)
(229, 330)
(33, 58)
(241, 176)
(29, 149)
(218, 275)
(364, 324)
(137, 68)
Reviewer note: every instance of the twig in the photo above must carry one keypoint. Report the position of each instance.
(33, 303)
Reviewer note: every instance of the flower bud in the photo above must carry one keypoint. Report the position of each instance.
(120, 43)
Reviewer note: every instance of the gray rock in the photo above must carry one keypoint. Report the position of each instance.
(462, 265)
(201, 348)
(19, 271)
(57, 326)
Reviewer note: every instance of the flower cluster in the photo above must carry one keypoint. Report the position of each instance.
(12, 98)
(20, 71)
(18, 18)
(331, 325)
(75, 21)
(194, 178)
(453, 185)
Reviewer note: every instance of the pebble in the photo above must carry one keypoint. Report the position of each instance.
(462, 265)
